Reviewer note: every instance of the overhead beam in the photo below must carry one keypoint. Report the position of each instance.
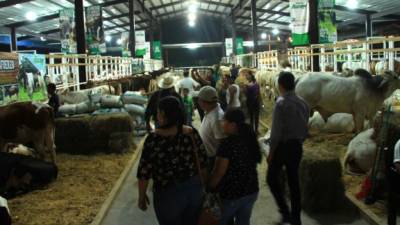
(127, 24)
(145, 10)
(8, 3)
(358, 11)
(373, 16)
(269, 11)
(265, 20)
(263, 28)
(56, 15)
(183, 2)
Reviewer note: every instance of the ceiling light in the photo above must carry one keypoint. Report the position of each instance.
(193, 5)
(10, 18)
(352, 4)
(108, 38)
(275, 31)
(31, 16)
(192, 23)
(191, 16)
(263, 36)
(267, 6)
(119, 41)
(192, 46)
(278, 8)
(42, 38)
(18, 6)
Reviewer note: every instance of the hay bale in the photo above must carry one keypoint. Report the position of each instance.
(89, 134)
(111, 101)
(321, 181)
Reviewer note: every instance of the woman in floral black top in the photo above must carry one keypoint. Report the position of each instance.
(235, 173)
(168, 158)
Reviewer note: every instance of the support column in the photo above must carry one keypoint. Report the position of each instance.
(80, 36)
(314, 31)
(368, 25)
(132, 41)
(254, 24)
(233, 33)
(13, 39)
(223, 38)
(151, 38)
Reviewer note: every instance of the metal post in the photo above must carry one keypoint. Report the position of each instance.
(314, 31)
(151, 38)
(80, 37)
(223, 38)
(368, 25)
(233, 33)
(132, 41)
(254, 24)
(13, 45)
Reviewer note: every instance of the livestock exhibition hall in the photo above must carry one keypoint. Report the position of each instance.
(199, 112)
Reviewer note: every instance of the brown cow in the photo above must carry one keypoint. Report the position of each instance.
(25, 123)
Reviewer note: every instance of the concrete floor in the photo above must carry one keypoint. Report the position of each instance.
(124, 210)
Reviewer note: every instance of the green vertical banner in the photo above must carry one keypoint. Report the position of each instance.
(67, 31)
(300, 14)
(94, 30)
(327, 21)
(140, 38)
(239, 46)
(156, 49)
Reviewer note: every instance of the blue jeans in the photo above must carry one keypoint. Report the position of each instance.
(240, 209)
(178, 204)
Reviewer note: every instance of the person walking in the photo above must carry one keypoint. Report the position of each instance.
(168, 158)
(54, 100)
(235, 172)
(210, 129)
(188, 103)
(232, 96)
(187, 82)
(289, 130)
(234, 72)
(166, 85)
(253, 101)
(223, 90)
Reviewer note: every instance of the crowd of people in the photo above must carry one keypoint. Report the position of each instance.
(225, 148)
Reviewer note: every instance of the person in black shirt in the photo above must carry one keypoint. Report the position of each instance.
(167, 88)
(54, 101)
(235, 173)
(168, 158)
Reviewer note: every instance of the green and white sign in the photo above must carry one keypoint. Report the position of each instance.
(156, 49)
(147, 55)
(326, 21)
(300, 13)
(94, 30)
(228, 46)
(140, 39)
(239, 46)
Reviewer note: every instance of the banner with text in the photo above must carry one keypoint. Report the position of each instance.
(8, 77)
(140, 39)
(147, 55)
(239, 46)
(299, 11)
(32, 77)
(327, 21)
(156, 49)
(228, 46)
(94, 30)
(67, 29)
(125, 44)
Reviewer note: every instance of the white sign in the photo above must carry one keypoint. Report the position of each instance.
(228, 46)
(300, 14)
(147, 55)
(140, 39)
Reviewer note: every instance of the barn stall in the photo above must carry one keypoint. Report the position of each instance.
(330, 142)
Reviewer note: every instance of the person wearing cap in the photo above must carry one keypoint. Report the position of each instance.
(210, 129)
(167, 88)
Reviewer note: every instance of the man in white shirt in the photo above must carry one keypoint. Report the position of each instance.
(187, 82)
(210, 129)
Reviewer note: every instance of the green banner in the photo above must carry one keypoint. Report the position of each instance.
(94, 30)
(299, 12)
(239, 46)
(156, 49)
(67, 31)
(326, 21)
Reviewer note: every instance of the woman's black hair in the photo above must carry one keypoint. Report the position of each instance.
(245, 131)
(173, 112)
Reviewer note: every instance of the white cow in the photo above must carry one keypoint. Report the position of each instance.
(361, 95)
(5, 218)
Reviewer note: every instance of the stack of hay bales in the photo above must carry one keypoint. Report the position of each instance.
(321, 181)
(89, 134)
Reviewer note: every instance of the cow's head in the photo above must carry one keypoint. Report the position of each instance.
(391, 82)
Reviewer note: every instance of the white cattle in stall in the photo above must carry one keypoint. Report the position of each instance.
(19, 149)
(361, 152)
(5, 218)
(361, 95)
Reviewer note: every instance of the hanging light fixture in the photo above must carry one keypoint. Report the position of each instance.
(352, 4)
(31, 16)
(275, 31)
(108, 38)
(192, 23)
(263, 36)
